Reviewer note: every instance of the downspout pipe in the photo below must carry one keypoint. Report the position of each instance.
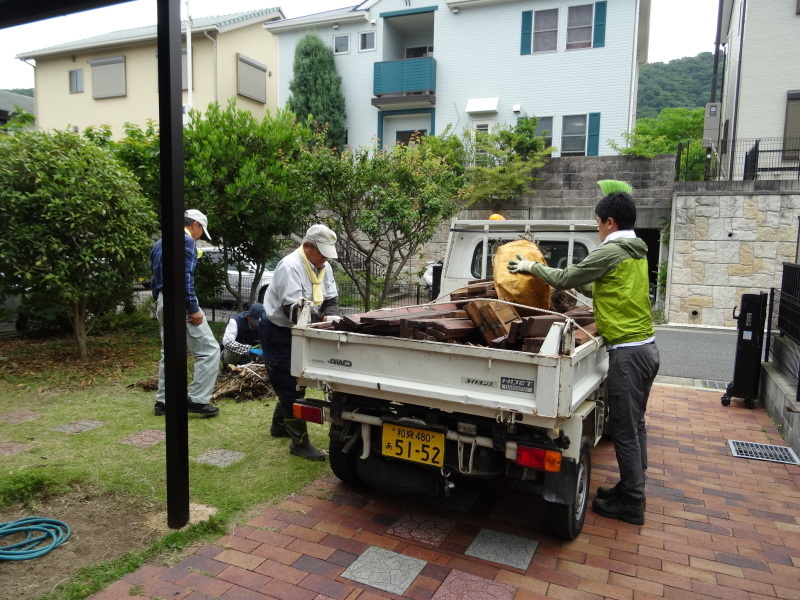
(214, 44)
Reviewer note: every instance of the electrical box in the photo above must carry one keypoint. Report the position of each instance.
(711, 124)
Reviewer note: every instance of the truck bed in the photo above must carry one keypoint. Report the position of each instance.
(537, 389)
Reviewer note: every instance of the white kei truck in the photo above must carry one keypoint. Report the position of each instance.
(417, 416)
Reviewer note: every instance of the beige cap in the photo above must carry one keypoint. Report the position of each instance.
(195, 214)
(324, 238)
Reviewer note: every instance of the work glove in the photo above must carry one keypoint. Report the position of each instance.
(521, 266)
(257, 351)
(333, 318)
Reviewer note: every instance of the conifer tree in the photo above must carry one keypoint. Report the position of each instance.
(316, 89)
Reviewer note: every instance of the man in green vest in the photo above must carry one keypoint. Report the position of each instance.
(615, 275)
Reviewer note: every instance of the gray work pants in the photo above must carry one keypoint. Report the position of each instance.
(201, 342)
(631, 371)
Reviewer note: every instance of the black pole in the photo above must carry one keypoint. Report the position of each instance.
(171, 163)
(769, 324)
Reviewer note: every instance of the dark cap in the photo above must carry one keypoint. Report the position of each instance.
(257, 312)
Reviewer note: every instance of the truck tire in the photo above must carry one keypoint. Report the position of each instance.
(566, 521)
(344, 466)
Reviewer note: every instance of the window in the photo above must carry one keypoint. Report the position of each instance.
(545, 30)
(573, 136)
(251, 78)
(366, 41)
(791, 132)
(545, 127)
(404, 138)
(579, 26)
(108, 77)
(184, 69)
(555, 254)
(341, 44)
(419, 51)
(76, 81)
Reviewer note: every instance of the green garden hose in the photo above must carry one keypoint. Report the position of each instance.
(53, 534)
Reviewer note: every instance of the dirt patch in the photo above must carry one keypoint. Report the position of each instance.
(104, 526)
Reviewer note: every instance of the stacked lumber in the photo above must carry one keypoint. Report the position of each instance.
(477, 288)
(479, 322)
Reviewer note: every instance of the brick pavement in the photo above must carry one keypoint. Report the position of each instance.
(717, 526)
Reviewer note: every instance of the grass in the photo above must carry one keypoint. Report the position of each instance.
(45, 375)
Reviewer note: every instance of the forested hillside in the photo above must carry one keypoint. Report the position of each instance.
(21, 91)
(680, 83)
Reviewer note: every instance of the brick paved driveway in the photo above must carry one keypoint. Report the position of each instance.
(717, 526)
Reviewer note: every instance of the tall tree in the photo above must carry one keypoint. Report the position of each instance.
(384, 205)
(316, 89)
(680, 83)
(236, 172)
(74, 226)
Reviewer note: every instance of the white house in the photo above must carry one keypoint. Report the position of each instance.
(761, 92)
(421, 65)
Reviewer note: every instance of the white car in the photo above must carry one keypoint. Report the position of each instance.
(247, 274)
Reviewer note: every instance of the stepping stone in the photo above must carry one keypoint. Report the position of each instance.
(220, 458)
(459, 585)
(145, 438)
(9, 448)
(19, 416)
(428, 529)
(79, 426)
(503, 548)
(385, 570)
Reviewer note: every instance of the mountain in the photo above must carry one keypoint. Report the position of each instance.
(680, 83)
(21, 91)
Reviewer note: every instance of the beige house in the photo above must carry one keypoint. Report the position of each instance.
(112, 79)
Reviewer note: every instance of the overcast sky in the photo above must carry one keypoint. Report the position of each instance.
(678, 28)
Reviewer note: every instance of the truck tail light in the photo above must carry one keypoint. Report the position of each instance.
(312, 414)
(537, 458)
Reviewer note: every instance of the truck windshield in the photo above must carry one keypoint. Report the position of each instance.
(555, 253)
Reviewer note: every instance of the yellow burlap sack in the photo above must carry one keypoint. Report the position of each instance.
(520, 287)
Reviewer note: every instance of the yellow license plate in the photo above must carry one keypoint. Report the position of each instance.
(409, 443)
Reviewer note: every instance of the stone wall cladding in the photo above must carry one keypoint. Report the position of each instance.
(728, 242)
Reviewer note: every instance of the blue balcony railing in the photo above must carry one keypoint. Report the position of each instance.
(403, 76)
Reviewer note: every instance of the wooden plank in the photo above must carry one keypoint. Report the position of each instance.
(539, 325)
(492, 318)
(581, 337)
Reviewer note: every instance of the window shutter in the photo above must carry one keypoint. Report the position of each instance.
(527, 29)
(599, 25)
(593, 141)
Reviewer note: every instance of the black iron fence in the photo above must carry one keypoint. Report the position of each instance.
(745, 159)
(784, 322)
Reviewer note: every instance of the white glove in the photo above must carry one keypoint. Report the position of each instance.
(521, 266)
(333, 318)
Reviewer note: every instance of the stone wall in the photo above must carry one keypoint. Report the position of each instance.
(727, 239)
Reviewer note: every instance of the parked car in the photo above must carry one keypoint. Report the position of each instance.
(241, 276)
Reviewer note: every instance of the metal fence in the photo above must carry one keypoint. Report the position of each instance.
(784, 321)
(745, 159)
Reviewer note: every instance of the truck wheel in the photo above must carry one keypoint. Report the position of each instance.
(344, 466)
(261, 293)
(566, 521)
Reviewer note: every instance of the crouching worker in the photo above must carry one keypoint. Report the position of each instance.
(302, 274)
(615, 275)
(241, 335)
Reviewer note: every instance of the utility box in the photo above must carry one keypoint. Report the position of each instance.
(711, 124)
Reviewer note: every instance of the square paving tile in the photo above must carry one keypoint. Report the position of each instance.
(385, 570)
(19, 416)
(503, 548)
(79, 426)
(428, 529)
(145, 438)
(9, 448)
(220, 457)
(464, 586)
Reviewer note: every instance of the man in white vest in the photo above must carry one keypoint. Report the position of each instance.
(303, 274)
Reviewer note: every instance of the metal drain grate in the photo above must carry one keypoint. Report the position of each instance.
(781, 454)
(715, 385)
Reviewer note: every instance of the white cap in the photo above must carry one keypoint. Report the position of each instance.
(196, 215)
(324, 238)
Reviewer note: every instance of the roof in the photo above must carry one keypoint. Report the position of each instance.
(9, 99)
(348, 13)
(141, 34)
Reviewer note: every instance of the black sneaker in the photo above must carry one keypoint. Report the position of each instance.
(207, 410)
(624, 509)
(605, 493)
(159, 409)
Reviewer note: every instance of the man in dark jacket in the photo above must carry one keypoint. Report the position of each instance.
(616, 276)
(241, 335)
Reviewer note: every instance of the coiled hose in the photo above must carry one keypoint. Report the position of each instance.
(53, 534)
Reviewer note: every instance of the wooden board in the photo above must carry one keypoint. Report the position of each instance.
(492, 318)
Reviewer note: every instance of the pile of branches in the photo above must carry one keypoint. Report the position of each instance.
(243, 382)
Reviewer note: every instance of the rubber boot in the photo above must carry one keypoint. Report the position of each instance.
(301, 445)
(278, 428)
